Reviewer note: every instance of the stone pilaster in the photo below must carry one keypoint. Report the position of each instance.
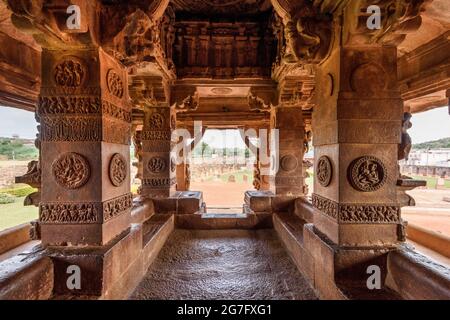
(357, 127)
(85, 120)
(159, 169)
(288, 180)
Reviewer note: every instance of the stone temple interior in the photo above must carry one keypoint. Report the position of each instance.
(101, 75)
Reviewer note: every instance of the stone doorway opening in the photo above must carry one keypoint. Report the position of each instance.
(222, 168)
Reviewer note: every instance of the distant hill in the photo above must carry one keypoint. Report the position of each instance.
(19, 149)
(437, 144)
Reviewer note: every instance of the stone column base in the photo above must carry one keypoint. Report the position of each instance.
(112, 271)
(335, 272)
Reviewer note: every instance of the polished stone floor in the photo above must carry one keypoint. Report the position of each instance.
(223, 264)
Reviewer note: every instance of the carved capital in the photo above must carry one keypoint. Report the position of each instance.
(47, 21)
(308, 28)
(185, 100)
(257, 104)
(398, 18)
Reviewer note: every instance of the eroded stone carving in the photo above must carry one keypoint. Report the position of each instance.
(69, 212)
(68, 105)
(324, 171)
(114, 83)
(358, 212)
(289, 163)
(307, 28)
(71, 170)
(74, 129)
(70, 73)
(159, 182)
(330, 208)
(156, 135)
(156, 121)
(367, 174)
(117, 206)
(80, 105)
(86, 213)
(368, 73)
(156, 164)
(256, 103)
(303, 40)
(118, 169)
(368, 213)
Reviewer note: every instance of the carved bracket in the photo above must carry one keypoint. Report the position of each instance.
(307, 28)
(398, 18)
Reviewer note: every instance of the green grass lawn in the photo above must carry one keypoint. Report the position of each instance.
(432, 182)
(16, 213)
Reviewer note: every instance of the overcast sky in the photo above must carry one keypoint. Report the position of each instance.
(427, 126)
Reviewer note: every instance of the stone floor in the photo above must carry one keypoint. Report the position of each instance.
(223, 264)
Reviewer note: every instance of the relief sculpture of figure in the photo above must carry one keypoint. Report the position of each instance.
(405, 145)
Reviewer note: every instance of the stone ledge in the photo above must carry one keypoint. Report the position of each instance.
(212, 222)
(14, 237)
(416, 277)
(430, 239)
(29, 278)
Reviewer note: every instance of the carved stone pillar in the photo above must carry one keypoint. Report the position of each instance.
(183, 169)
(288, 180)
(85, 134)
(357, 128)
(159, 169)
(264, 166)
(137, 142)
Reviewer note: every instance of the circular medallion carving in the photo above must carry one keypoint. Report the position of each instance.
(71, 170)
(289, 163)
(117, 169)
(324, 171)
(156, 120)
(156, 164)
(114, 83)
(367, 174)
(69, 73)
(368, 73)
